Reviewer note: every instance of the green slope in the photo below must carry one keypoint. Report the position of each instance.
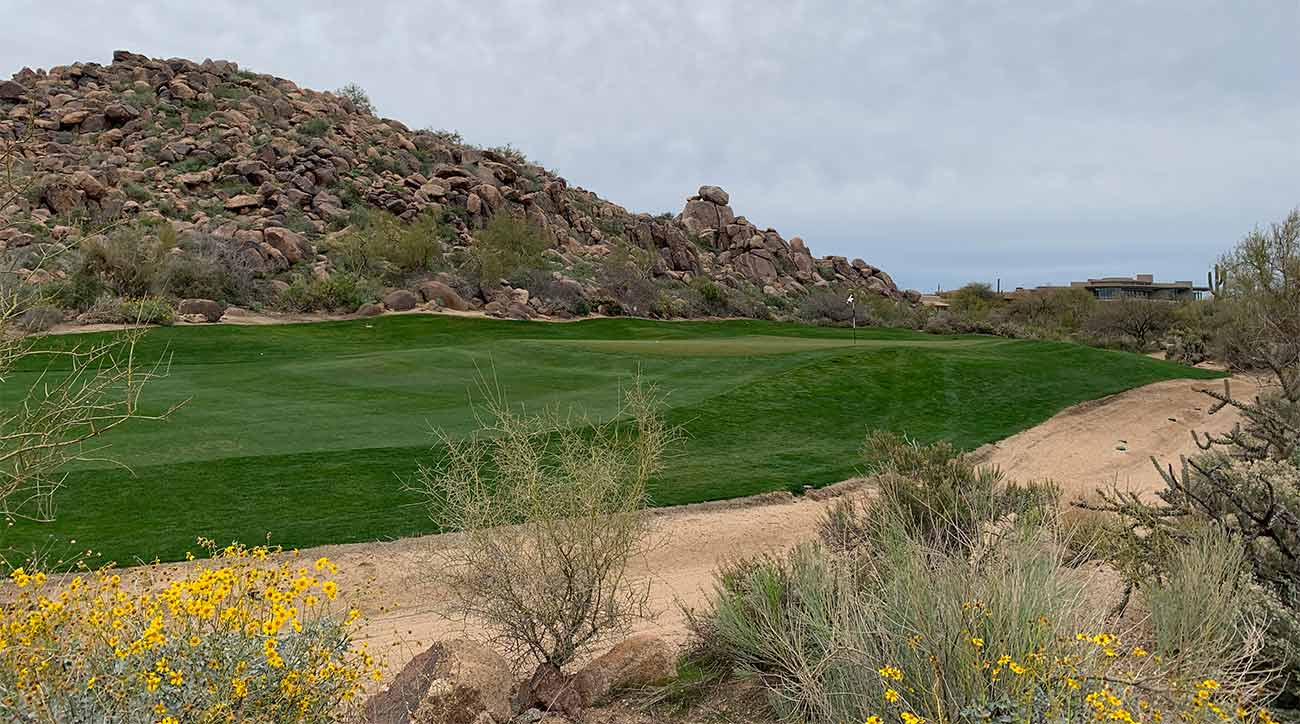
(306, 431)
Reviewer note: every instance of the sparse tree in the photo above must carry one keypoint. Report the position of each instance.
(1262, 293)
(357, 95)
(551, 507)
(1143, 321)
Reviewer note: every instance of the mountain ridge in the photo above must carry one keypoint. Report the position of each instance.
(274, 178)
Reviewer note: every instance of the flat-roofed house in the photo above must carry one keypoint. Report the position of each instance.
(1138, 286)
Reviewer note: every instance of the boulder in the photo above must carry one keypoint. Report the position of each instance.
(715, 195)
(289, 243)
(453, 682)
(401, 300)
(11, 90)
(700, 215)
(208, 309)
(370, 309)
(548, 689)
(243, 202)
(435, 291)
(120, 113)
(89, 185)
(640, 661)
(62, 197)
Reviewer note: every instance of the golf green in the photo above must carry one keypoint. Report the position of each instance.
(307, 432)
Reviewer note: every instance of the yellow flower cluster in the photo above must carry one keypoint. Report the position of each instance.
(1092, 678)
(249, 633)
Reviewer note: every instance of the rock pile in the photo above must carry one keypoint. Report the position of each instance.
(463, 682)
(271, 169)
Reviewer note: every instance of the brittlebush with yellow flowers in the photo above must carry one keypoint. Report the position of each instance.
(250, 634)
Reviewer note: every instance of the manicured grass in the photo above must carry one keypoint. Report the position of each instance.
(306, 432)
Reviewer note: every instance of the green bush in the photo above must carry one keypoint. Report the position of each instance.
(129, 259)
(209, 268)
(358, 97)
(506, 247)
(936, 494)
(315, 127)
(147, 310)
(340, 291)
(382, 245)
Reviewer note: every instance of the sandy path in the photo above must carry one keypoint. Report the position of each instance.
(1111, 440)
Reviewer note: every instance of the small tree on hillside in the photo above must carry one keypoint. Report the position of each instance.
(551, 507)
(358, 97)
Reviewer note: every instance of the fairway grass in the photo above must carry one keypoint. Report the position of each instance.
(307, 432)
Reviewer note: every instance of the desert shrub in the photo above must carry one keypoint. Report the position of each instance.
(382, 245)
(40, 318)
(974, 300)
(147, 310)
(340, 291)
(1130, 323)
(905, 632)
(825, 305)
(1203, 605)
(1261, 293)
(209, 268)
(129, 259)
(507, 246)
(551, 506)
(357, 96)
(624, 276)
(238, 637)
(86, 391)
(936, 494)
(315, 127)
(554, 288)
(510, 154)
(76, 291)
(1056, 313)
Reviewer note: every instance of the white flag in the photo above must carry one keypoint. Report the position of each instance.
(850, 299)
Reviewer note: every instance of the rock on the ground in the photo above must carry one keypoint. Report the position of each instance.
(370, 309)
(640, 661)
(435, 291)
(549, 690)
(401, 300)
(453, 682)
(206, 308)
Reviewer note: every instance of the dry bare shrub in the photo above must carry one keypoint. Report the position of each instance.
(552, 510)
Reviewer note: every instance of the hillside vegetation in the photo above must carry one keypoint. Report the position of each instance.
(205, 185)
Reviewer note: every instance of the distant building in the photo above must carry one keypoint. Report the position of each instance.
(1140, 286)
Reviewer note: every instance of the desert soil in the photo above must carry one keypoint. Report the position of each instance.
(1082, 448)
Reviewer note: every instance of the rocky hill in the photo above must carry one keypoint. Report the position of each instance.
(246, 189)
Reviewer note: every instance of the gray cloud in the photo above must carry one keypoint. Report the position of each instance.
(944, 141)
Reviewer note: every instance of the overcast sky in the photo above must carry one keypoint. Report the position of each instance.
(943, 141)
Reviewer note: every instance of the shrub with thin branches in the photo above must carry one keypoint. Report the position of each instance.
(551, 508)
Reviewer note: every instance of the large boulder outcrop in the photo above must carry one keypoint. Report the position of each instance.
(277, 172)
